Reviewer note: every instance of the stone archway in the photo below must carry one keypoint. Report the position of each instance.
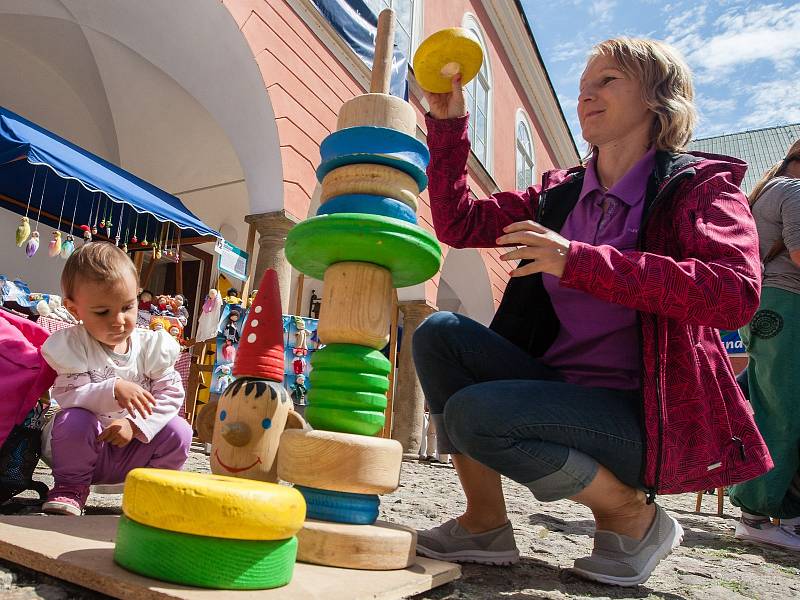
(464, 285)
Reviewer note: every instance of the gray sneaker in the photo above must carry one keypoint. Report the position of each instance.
(621, 560)
(452, 542)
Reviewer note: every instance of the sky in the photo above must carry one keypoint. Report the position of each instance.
(745, 55)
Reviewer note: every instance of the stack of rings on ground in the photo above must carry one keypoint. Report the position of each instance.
(208, 531)
(341, 475)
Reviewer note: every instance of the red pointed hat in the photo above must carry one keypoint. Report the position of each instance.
(260, 353)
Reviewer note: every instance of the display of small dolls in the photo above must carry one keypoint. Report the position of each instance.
(180, 309)
(176, 331)
(231, 331)
(251, 298)
(224, 378)
(162, 307)
(145, 300)
(158, 323)
(231, 297)
(228, 351)
(299, 391)
(299, 365)
(300, 337)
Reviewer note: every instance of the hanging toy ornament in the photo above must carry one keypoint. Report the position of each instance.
(119, 225)
(96, 214)
(33, 243)
(146, 227)
(134, 239)
(103, 220)
(23, 231)
(68, 247)
(24, 228)
(167, 249)
(87, 229)
(54, 248)
(125, 239)
(109, 224)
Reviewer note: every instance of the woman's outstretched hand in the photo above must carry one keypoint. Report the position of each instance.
(449, 105)
(547, 249)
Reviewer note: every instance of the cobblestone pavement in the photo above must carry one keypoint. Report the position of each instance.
(710, 564)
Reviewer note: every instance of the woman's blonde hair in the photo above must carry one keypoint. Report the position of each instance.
(96, 262)
(775, 170)
(666, 82)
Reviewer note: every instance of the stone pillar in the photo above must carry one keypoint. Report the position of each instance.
(272, 228)
(409, 401)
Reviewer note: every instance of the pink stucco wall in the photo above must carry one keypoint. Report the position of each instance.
(307, 84)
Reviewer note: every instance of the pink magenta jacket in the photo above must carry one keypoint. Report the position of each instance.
(24, 375)
(696, 271)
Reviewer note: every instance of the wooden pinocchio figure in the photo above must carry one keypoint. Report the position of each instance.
(252, 412)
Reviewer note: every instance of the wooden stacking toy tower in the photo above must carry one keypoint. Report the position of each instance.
(363, 242)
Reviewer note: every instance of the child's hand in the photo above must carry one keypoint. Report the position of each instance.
(119, 433)
(133, 397)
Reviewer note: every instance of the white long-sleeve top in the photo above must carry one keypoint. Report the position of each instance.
(87, 372)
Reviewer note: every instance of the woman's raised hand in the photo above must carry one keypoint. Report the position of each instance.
(547, 249)
(449, 105)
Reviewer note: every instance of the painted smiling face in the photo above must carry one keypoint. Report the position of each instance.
(251, 416)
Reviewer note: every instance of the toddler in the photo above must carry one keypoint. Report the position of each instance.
(118, 390)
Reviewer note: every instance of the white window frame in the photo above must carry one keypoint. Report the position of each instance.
(522, 119)
(471, 22)
(416, 22)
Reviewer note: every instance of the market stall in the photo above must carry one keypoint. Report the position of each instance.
(64, 195)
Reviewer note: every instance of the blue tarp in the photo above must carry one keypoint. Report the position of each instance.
(358, 25)
(96, 185)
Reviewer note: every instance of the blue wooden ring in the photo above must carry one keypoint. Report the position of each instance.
(368, 204)
(340, 507)
(375, 145)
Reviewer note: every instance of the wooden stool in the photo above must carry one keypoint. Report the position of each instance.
(720, 501)
(201, 354)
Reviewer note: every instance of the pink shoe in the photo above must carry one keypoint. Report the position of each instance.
(66, 500)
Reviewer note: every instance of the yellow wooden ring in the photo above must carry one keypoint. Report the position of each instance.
(343, 462)
(444, 54)
(213, 505)
(381, 546)
(376, 180)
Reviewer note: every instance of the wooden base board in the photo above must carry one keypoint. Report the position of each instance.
(80, 550)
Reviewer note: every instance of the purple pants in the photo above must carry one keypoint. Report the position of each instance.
(79, 459)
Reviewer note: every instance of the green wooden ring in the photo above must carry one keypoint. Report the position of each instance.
(410, 253)
(351, 357)
(350, 368)
(345, 399)
(361, 422)
(204, 561)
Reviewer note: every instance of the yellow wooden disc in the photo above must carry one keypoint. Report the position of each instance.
(443, 55)
(213, 505)
(381, 546)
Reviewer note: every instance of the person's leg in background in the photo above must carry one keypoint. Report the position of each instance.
(773, 379)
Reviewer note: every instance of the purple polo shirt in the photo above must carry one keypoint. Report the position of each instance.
(598, 343)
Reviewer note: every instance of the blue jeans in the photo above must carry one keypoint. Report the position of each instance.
(495, 403)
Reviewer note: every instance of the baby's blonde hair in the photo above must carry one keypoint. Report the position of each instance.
(99, 262)
(666, 82)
